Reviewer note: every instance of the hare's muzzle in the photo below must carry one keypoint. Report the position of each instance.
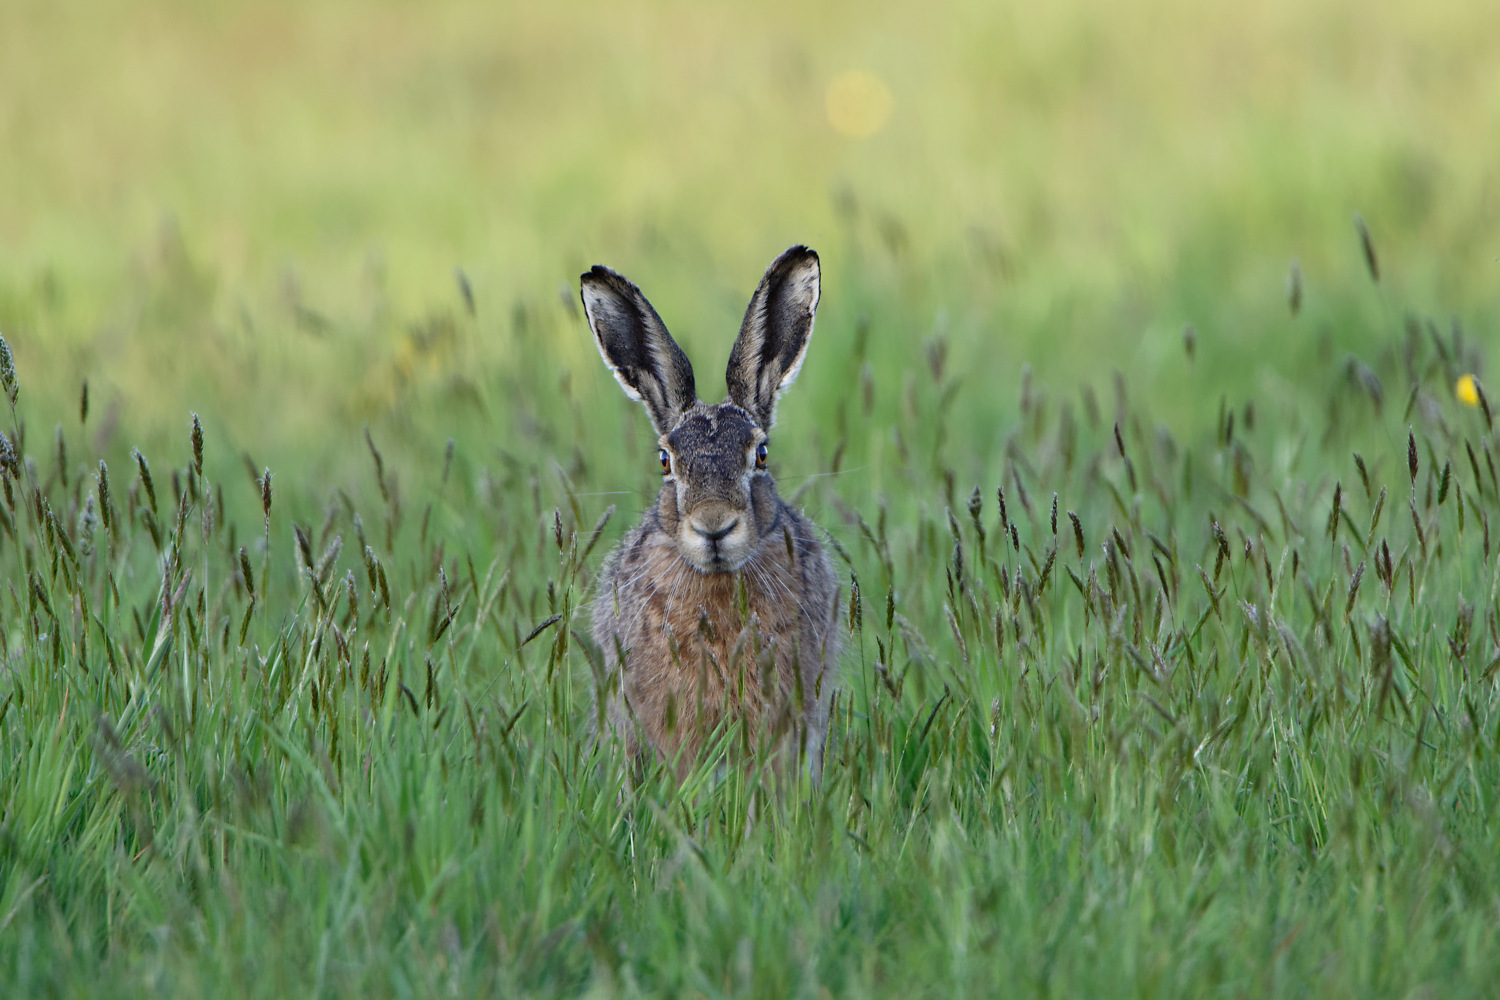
(714, 535)
(715, 538)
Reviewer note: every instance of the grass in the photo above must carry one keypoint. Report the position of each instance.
(1170, 593)
(1132, 716)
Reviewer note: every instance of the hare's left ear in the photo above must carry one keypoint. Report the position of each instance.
(773, 338)
(636, 346)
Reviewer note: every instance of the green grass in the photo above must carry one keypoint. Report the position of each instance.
(1242, 741)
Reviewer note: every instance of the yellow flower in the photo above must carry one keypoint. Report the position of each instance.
(1467, 390)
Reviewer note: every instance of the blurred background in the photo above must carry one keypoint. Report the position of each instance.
(301, 219)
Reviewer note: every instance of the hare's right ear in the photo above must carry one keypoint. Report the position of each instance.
(634, 342)
(773, 338)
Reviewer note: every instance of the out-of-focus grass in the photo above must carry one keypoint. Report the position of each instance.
(1241, 739)
(1056, 176)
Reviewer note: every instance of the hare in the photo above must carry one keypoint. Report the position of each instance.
(720, 606)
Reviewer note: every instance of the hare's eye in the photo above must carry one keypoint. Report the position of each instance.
(760, 456)
(666, 462)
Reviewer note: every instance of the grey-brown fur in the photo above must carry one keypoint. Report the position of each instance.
(721, 602)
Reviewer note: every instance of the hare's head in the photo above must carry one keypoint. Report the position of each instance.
(718, 500)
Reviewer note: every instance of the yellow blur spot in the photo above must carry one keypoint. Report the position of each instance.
(859, 104)
(1467, 390)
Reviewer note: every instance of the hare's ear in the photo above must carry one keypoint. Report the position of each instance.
(773, 339)
(644, 358)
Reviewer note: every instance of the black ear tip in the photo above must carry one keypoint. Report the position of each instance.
(797, 256)
(602, 277)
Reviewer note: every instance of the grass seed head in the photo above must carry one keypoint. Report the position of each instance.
(856, 608)
(8, 373)
(352, 593)
(197, 445)
(140, 461)
(62, 458)
(1364, 378)
(1222, 545)
(104, 501)
(1411, 454)
(1416, 520)
(385, 493)
(304, 546)
(1077, 532)
(1294, 287)
(466, 292)
(1359, 574)
(245, 570)
(1367, 245)
(83, 403)
(1470, 392)
(1364, 475)
(1375, 513)
(265, 493)
(182, 509)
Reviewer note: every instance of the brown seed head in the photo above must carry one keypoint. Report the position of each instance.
(197, 445)
(140, 461)
(104, 503)
(245, 569)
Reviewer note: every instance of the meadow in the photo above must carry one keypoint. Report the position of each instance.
(1146, 415)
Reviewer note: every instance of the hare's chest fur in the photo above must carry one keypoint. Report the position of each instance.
(688, 650)
(690, 633)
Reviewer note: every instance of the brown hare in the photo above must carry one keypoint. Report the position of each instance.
(720, 606)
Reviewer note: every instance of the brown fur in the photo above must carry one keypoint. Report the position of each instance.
(693, 660)
(720, 607)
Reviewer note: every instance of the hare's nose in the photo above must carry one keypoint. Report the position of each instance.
(716, 534)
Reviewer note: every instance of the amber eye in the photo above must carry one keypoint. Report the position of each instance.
(760, 456)
(666, 462)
